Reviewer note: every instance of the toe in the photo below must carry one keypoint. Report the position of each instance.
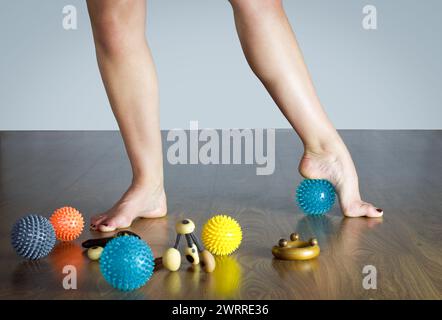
(362, 209)
(113, 223)
(374, 212)
(105, 227)
(96, 220)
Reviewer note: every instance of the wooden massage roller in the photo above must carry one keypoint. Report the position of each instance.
(194, 252)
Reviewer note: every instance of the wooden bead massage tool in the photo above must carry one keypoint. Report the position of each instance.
(296, 249)
(194, 252)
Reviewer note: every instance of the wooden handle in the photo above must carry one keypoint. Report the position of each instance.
(101, 242)
(158, 264)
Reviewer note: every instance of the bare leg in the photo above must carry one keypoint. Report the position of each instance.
(271, 49)
(129, 76)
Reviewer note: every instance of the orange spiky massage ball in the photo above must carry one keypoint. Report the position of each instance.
(68, 223)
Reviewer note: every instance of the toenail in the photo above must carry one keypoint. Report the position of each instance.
(379, 210)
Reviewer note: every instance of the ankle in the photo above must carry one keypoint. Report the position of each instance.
(330, 146)
(148, 185)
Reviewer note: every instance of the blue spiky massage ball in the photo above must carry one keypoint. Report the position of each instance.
(127, 263)
(315, 196)
(33, 237)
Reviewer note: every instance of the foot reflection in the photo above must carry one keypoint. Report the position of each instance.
(352, 230)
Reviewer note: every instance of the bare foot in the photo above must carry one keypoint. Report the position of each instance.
(137, 202)
(337, 167)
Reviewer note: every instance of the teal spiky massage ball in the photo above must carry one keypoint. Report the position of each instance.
(315, 196)
(127, 263)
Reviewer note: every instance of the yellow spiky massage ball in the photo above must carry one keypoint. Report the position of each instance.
(221, 235)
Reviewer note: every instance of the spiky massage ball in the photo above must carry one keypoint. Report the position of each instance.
(127, 263)
(221, 235)
(68, 223)
(33, 237)
(315, 196)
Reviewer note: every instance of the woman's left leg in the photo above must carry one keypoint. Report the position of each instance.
(273, 54)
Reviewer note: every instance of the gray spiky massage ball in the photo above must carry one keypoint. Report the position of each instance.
(33, 237)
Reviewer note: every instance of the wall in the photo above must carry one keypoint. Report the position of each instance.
(389, 78)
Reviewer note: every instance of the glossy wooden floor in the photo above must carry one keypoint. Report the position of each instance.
(399, 171)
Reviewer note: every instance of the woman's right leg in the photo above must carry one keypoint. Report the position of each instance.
(129, 76)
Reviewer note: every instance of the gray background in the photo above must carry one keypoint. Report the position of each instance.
(384, 79)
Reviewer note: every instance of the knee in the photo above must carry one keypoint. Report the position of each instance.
(256, 7)
(113, 31)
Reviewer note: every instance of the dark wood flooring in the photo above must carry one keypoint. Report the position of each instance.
(400, 171)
